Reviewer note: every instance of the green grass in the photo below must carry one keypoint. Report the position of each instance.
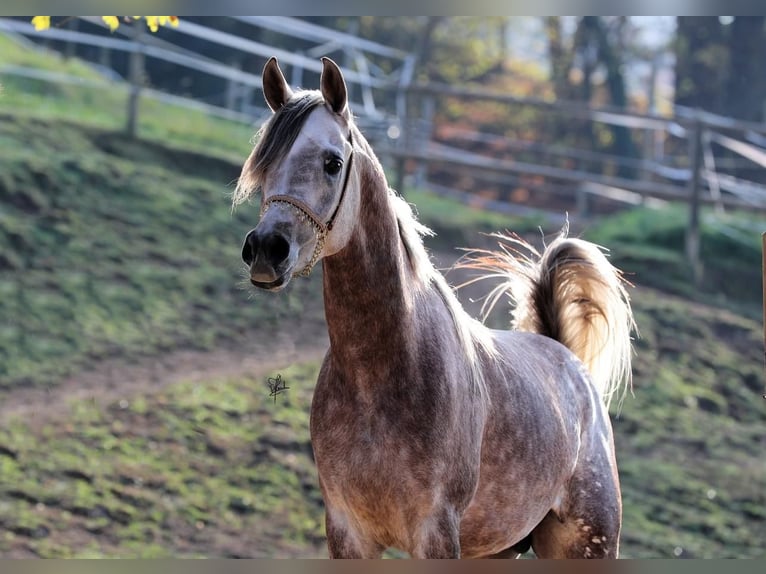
(688, 440)
(650, 245)
(459, 225)
(106, 107)
(17, 54)
(199, 469)
(218, 469)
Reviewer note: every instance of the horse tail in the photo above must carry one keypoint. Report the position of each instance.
(569, 292)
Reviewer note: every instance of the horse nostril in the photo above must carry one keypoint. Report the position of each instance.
(250, 247)
(276, 249)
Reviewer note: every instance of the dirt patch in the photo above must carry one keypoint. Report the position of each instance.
(115, 379)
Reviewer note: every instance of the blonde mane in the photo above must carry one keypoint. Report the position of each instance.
(474, 337)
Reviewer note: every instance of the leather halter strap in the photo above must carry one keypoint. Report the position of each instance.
(307, 213)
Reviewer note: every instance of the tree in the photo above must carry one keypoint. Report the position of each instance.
(595, 45)
(701, 61)
(561, 58)
(615, 81)
(745, 88)
(718, 65)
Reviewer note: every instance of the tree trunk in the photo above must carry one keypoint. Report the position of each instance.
(560, 58)
(423, 48)
(623, 144)
(701, 62)
(745, 95)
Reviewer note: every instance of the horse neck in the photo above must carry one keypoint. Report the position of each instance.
(369, 285)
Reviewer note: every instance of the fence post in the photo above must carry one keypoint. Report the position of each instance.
(233, 90)
(693, 229)
(402, 144)
(70, 48)
(763, 284)
(105, 57)
(136, 74)
(582, 201)
(423, 134)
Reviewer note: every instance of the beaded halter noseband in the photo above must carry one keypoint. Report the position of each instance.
(308, 214)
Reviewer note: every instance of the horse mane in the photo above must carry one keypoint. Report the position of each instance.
(474, 337)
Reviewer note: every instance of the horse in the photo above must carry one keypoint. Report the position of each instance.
(432, 433)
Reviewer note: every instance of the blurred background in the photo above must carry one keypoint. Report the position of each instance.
(136, 413)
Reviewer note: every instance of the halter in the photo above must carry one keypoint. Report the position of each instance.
(306, 213)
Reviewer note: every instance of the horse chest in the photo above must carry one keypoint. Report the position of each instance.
(364, 448)
(381, 461)
(370, 418)
(374, 476)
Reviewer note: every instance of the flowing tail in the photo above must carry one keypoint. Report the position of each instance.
(569, 292)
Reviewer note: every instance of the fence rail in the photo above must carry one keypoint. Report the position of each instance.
(144, 46)
(694, 172)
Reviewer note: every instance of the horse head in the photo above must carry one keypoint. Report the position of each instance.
(302, 164)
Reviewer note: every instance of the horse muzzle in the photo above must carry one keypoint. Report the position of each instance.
(276, 285)
(268, 257)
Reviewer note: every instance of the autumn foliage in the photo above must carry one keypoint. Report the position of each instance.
(152, 22)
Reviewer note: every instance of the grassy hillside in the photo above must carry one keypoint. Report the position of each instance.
(105, 107)
(119, 255)
(196, 470)
(218, 468)
(690, 440)
(116, 247)
(651, 245)
(111, 247)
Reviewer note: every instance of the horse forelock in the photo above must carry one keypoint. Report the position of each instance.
(274, 140)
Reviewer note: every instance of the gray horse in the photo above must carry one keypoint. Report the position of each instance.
(432, 433)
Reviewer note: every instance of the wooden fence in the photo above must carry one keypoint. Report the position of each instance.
(697, 159)
(693, 157)
(241, 89)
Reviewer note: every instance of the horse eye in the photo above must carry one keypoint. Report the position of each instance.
(333, 166)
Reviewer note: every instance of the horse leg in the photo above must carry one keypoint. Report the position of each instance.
(439, 536)
(343, 542)
(588, 524)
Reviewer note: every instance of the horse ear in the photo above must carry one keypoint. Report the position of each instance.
(275, 88)
(333, 86)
